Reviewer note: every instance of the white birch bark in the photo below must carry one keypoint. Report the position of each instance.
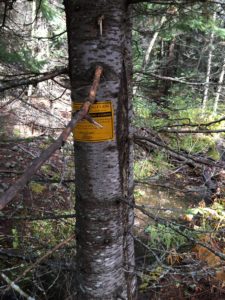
(208, 72)
(219, 89)
(105, 248)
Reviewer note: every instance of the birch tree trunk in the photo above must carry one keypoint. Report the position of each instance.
(147, 55)
(32, 34)
(170, 67)
(208, 72)
(219, 89)
(99, 32)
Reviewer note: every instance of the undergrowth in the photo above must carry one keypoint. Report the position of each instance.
(172, 244)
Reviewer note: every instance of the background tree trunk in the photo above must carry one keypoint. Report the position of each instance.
(209, 66)
(170, 68)
(146, 58)
(219, 89)
(105, 250)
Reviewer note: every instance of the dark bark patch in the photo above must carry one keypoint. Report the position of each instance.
(110, 148)
(123, 131)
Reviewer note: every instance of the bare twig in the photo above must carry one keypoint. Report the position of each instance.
(39, 260)
(193, 131)
(193, 125)
(52, 264)
(185, 157)
(166, 78)
(35, 156)
(41, 110)
(39, 218)
(8, 84)
(16, 288)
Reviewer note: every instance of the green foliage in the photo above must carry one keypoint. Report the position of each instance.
(55, 19)
(147, 167)
(164, 236)
(193, 22)
(142, 111)
(145, 111)
(154, 275)
(49, 12)
(37, 188)
(211, 217)
(16, 132)
(52, 231)
(168, 236)
(160, 162)
(143, 168)
(22, 58)
(46, 169)
(220, 32)
(15, 238)
(198, 143)
(196, 20)
(29, 61)
(139, 193)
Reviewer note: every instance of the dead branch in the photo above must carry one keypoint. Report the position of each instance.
(192, 131)
(184, 157)
(35, 156)
(16, 288)
(177, 80)
(39, 218)
(189, 124)
(151, 183)
(38, 261)
(46, 154)
(9, 84)
(52, 264)
(41, 111)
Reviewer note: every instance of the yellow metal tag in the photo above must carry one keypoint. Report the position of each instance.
(102, 113)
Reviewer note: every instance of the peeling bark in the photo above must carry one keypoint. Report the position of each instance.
(99, 32)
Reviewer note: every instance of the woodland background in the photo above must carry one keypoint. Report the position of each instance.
(178, 103)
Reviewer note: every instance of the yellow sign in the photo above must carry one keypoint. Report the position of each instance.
(102, 113)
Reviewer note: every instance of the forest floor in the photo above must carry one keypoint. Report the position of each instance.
(183, 274)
